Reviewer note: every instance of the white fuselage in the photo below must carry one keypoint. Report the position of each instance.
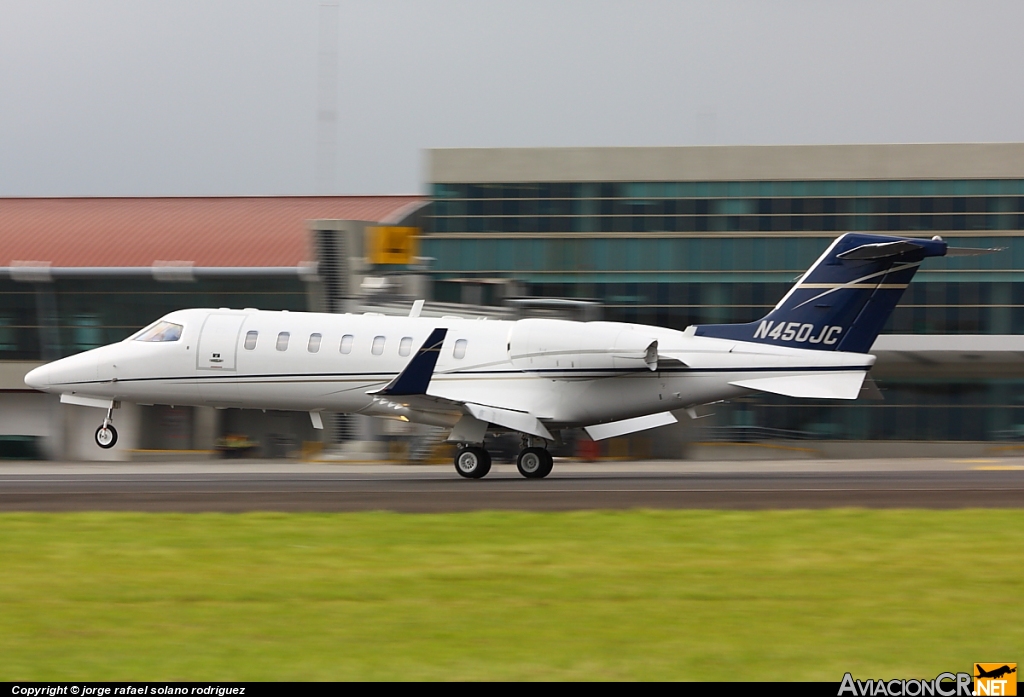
(568, 374)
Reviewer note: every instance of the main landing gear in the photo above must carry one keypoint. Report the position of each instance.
(534, 463)
(106, 434)
(474, 462)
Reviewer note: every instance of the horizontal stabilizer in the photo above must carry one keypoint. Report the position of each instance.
(882, 250)
(514, 420)
(621, 428)
(838, 385)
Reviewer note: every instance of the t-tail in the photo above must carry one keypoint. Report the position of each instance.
(844, 299)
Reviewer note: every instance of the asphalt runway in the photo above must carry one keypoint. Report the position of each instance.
(289, 486)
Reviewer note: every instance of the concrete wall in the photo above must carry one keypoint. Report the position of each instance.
(24, 414)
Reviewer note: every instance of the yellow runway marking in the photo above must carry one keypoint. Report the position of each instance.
(999, 468)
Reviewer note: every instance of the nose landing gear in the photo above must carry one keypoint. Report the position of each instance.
(106, 434)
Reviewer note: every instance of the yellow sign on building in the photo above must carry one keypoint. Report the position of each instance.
(390, 244)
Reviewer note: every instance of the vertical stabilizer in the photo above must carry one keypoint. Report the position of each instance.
(842, 302)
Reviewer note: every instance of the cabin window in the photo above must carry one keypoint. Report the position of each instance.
(282, 341)
(314, 343)
(346, 343)
(405, 347)
(161, 331)
(460, 349)
(250, 340)
(378, 346)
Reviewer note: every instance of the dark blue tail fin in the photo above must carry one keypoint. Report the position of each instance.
(844, 299)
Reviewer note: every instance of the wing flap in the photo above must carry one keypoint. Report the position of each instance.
(833, 385)
(516, 420)
(626, 426)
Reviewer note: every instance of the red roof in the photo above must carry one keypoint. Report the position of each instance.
(229, 231)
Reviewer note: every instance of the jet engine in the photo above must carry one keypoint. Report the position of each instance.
(553, 345)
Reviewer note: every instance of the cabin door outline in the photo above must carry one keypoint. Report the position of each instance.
(218, 342)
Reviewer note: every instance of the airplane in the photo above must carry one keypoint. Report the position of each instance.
(995, 673)
(535, 377)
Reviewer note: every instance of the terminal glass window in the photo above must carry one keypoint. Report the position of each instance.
(69, 315)
(405, 347)
(378, 345)
(314, 343)
(87, 332)
(250, 340)
(346, 343)
(161, 331)
(729, 206)
(7, 335)
(282, 341)
(460, 349)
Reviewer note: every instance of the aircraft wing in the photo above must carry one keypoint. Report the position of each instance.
(427, 407)
(410, 390)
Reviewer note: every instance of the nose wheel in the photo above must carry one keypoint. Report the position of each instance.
(534, 463)
(106, 436)
(473, 462)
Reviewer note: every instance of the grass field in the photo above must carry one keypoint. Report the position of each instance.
(710, 595)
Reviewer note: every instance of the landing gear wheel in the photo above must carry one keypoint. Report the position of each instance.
(473, 462)
(534, 463)
(106, 436)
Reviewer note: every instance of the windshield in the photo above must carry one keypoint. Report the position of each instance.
(161, 331)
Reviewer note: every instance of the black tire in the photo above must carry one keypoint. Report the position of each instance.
(473, 462)
(534, 463)
(106, 436)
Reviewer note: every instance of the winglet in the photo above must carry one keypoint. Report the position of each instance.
(416, 377)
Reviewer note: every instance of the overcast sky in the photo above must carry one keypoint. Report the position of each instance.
(219, 97)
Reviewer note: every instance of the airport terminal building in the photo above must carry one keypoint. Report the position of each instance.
(687, 235)
(669, 236)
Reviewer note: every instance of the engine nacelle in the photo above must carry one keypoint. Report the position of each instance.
(551, 344)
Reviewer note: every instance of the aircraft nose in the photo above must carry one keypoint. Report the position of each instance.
(38, 378)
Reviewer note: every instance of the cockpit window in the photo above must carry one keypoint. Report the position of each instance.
(161, 331)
